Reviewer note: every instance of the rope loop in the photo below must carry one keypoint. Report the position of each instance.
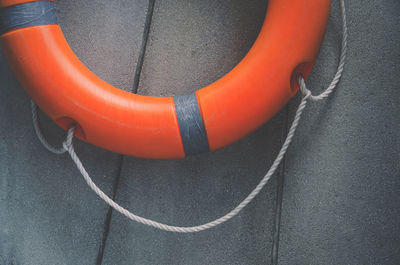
(39, 133)
(68, 147)
(339, 71)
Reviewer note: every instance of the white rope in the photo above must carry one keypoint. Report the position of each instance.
(39, 132)
(341, 64)
(68, 146)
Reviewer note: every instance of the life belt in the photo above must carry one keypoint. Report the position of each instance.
(162, 127)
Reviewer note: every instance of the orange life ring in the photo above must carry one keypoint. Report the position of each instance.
(155, 127)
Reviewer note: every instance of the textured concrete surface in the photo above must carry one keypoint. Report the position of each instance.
(47, 213)
(340, 179)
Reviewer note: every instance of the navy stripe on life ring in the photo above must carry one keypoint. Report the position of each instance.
(26, 15)
(191, 126)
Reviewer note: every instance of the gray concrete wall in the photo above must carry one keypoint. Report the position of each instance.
(335, 200)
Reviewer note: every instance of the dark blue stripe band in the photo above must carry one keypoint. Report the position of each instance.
(27, 15)
(193, 132)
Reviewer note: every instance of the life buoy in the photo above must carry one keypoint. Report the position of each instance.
(162, 127)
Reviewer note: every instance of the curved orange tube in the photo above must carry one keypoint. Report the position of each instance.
(6, 3)
(142, 126)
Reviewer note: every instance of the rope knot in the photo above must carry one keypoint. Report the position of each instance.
(303, 88)
(67, 144)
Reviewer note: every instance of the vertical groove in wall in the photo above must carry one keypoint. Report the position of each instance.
(134, 89)
(279, 197)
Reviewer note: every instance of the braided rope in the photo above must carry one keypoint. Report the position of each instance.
(39, 133)
(68, 146)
